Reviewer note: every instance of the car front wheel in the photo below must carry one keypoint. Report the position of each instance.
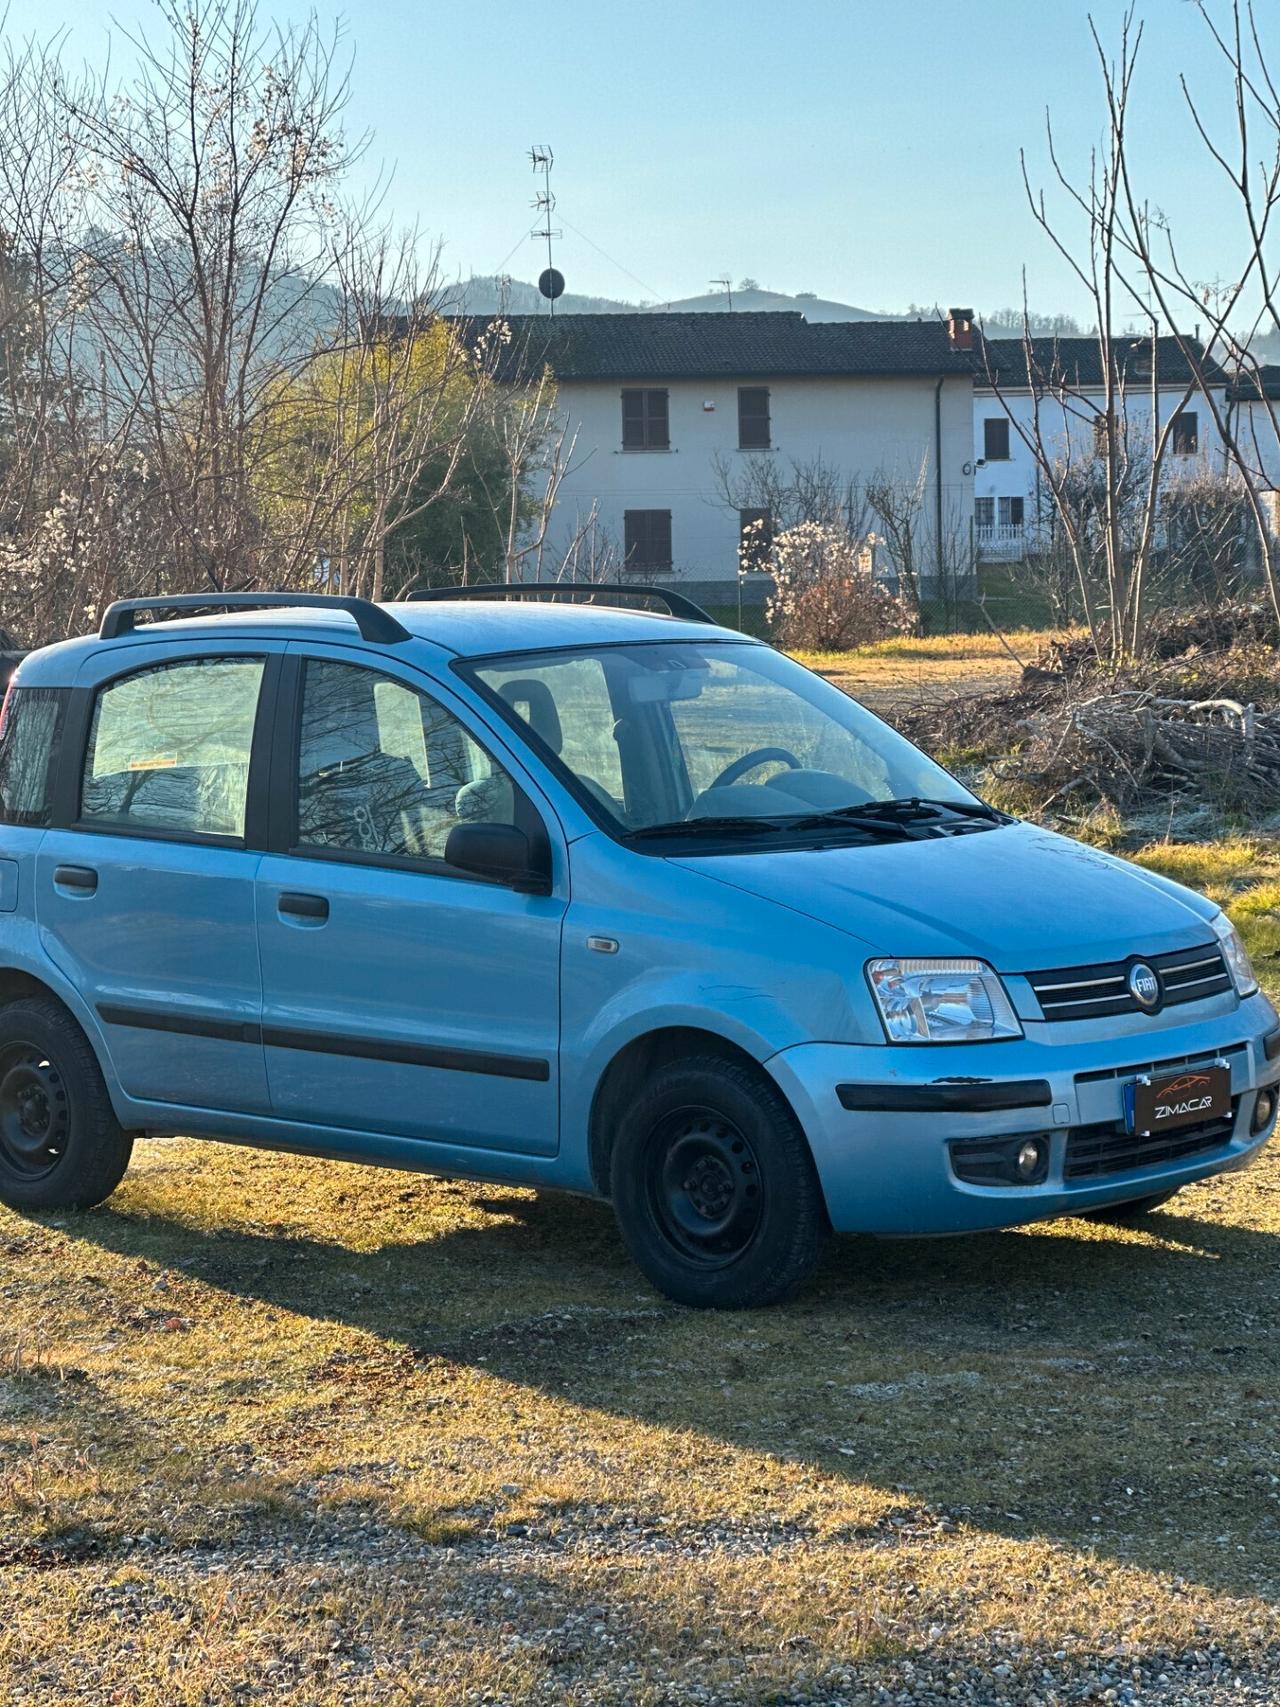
(714, 1186)
(61, 1146)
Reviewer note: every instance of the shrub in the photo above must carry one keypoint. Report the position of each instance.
(825, 597)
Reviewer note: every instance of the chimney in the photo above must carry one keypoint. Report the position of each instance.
(960, 328)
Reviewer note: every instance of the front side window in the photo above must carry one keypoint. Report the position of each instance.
(30, 731)
(753, 417)
(647, 539)
(1186, 432)
(683, 733)
(995, 438)
(385, 770)
(169, 748)
(644, 419)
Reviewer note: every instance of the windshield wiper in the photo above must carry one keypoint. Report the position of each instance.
(896, 820)
(773, 824)
(916, 806)
(701, 826)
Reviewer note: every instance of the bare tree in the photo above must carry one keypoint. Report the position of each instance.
(791, 492)
(207, 235)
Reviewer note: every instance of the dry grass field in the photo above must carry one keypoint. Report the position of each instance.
(286, 1431)
(917, 668)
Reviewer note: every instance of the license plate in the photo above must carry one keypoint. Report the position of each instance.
(1188, 1098)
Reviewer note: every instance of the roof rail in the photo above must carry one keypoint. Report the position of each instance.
(373, 622)
(607, 592)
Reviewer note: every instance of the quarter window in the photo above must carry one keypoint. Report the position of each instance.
(644, 420)
(753, 417)
(384, 769)
(169, 748)
(29, 735)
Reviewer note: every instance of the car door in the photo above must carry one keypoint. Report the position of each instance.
(400, 996)
(145, 885)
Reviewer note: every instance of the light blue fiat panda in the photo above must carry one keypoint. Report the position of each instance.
(523, 885)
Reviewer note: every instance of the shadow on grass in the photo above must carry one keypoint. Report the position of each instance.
(1115, 1394)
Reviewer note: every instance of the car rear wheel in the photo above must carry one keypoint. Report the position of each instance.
(1122, 1214)
(61, 1146)
(714, 1187)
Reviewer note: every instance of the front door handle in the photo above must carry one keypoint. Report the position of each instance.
(304, 906)
(82, 877)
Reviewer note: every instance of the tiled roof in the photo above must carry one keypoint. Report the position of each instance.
(1252, 387)
(1077, 362)
(716, 346)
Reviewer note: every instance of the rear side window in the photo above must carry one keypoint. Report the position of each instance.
(169, 748)
(29, 741)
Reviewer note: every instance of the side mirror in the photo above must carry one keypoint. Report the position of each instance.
(497, 851)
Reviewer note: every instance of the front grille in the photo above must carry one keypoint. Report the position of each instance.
(1100, 992)
(1230, 1053)
(1108, 1149)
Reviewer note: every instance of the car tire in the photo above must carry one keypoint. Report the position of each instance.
(61, 1146)
(1124, 1214)
(714, 1186)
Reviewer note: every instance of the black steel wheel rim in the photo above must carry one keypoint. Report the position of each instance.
(705, 1190)
(34, 1113)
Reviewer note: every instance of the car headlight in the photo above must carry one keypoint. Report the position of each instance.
(941, 1001)
(1236, 956)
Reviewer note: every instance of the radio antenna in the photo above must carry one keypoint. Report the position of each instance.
(551, 283)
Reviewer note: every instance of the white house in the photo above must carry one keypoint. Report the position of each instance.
(1061, 396)
(1254, 402)
(660, 404)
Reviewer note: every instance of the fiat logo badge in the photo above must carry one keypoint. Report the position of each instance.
(1144, 986)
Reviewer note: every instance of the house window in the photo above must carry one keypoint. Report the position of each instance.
(1186, 432)
(1100, 435)
(995, 438)
(644, 420)
(755, 538)
(1011, 512)
(647, 535)
(984, 512)
(753, 417)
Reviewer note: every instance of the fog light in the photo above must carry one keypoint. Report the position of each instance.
(1029, 1158)
(1001, 1161)
(1264, 1110)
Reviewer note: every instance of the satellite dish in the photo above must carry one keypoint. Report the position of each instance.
(551, 283)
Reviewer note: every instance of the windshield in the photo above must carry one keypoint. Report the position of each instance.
(661, 736)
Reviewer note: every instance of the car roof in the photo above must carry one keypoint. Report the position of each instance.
(459, 627)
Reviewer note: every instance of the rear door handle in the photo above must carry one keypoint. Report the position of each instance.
(304, 906)
(82, 877)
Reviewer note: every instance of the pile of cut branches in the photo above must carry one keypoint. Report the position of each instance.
(1133, 747)
(1194, 726)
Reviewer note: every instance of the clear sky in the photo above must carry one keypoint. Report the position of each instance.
(860, 149)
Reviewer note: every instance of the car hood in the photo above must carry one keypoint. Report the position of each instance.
(1018, 896)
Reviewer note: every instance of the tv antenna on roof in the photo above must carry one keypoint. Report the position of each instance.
(726, 286)
(551, 282)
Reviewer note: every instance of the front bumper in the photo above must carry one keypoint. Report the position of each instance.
(885, 1171)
